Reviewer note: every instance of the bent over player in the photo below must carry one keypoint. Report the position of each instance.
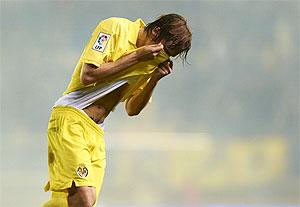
(123, 61)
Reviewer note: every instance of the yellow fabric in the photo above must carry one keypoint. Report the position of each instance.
(75, 143)
(122, 35)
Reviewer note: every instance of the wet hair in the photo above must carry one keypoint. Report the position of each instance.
(174, 30)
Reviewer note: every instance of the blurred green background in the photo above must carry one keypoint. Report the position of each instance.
(222, 131)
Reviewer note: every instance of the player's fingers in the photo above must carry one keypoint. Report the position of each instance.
(155, 54)
(167, 66)
(166, 71)
(157, 47)
(161, 71)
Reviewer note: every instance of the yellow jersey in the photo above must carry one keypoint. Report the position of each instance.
(112, 39)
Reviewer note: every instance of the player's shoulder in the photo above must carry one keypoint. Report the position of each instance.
(116, 22)
(116, 26)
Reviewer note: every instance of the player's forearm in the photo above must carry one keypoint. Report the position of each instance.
(137, 102)
(91, 75)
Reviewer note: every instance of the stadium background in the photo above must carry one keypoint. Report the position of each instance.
(222, 131)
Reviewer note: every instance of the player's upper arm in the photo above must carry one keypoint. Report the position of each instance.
(101, 44)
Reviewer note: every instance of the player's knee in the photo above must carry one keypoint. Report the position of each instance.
(82, 200)
(83, 197)
(87, 200)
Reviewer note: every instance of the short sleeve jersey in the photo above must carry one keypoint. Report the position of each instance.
(112, 39)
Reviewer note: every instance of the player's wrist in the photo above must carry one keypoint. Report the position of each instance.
(140, 54)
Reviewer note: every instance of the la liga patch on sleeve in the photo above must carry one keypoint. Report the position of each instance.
(101, 42)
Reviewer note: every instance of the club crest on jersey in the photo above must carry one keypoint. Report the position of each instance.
(101, 42)
(82, 171)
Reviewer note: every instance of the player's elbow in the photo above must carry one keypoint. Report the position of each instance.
(86, 79)
(132, 113)
(87, 76)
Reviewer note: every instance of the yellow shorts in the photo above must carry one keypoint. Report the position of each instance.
(76, 151)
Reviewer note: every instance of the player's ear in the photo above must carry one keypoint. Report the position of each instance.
(155, 31)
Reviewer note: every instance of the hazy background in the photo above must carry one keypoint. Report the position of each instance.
(222, 131)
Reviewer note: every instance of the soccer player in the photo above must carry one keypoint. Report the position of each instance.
(122, 62)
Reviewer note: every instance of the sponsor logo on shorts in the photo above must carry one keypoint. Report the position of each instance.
(82, 171)
(101, 42)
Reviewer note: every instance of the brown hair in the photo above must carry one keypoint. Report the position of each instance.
(174, 30)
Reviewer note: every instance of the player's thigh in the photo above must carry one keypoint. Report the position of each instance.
(69, 153)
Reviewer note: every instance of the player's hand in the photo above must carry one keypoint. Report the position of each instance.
(148, 52)
(163, 70)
